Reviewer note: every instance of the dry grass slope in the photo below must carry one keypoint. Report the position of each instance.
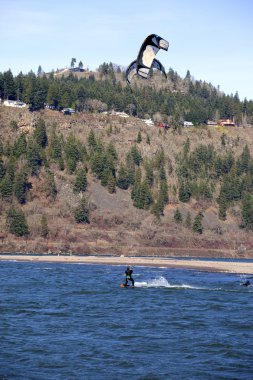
(116, 226)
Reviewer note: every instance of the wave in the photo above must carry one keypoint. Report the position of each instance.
(161, 282)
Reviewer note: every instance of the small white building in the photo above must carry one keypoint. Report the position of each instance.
(188, 124)
(14, 103)
(148, 121)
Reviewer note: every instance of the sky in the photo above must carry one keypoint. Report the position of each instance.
(211, 39)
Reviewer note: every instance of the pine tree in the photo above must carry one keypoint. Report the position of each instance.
(136, 186)
(92, 143)
(247, 211)
(16, 222)
(163, 193)
(184, 192)
(40, 133)
(139, 139)
(6, 186)
(122, 179)
(178, 216)
(20, 186)
(20, 146)
(197, 225)
(72, 153)
(82, 212)
(111, 151)
(44, 227)
(80, 181)
(149, 173)
(144, 196)
(9, 86)
(136, 155)
(33, 156)
(55, 147)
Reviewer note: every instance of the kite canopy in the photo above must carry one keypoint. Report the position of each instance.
(146, 58)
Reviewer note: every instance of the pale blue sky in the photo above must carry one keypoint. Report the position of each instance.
(213, 39)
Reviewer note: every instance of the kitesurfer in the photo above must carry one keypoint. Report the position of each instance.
(246, 283)
(128, 273)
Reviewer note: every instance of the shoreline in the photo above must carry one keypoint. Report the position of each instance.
(210, 266)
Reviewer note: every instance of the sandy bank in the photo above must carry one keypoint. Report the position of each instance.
(214, 266)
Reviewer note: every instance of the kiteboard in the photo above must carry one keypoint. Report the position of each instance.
(126, 286)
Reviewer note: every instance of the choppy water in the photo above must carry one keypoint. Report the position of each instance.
(72, 321)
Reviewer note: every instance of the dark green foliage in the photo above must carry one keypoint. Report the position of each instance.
(139, 139)
(33, 155)
(16, 222)
(122, 178)
(201, 171)
(21, 186)
(135, 154)
(111, 151)
(80, 184)
(149, 173)
(72, 152)
(222, 208)
(247, 211)
(197, 225)
(2, 169)
(103, 163)
(98, 164)
(40, 133)
(9, 88)
(244, 161)
(184, 193)
(163, 193)
(82, 212)
(200, 102)
(92, 142)
(159, 160)
(142, 197)
(20, 146)
(6, 186)
(136, 186)
(55, 146)
(44, 227)
(178, 216)
(162, 174)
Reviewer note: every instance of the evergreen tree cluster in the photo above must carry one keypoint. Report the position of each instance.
(203, 172)
(184, 99)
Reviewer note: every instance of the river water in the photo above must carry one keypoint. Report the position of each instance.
(73, 321)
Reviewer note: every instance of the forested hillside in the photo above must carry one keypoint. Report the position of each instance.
(95, 181)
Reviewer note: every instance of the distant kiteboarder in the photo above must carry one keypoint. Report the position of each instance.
(246, 283)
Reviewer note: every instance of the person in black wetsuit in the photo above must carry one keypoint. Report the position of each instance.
(246, 283)
(129, 277)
